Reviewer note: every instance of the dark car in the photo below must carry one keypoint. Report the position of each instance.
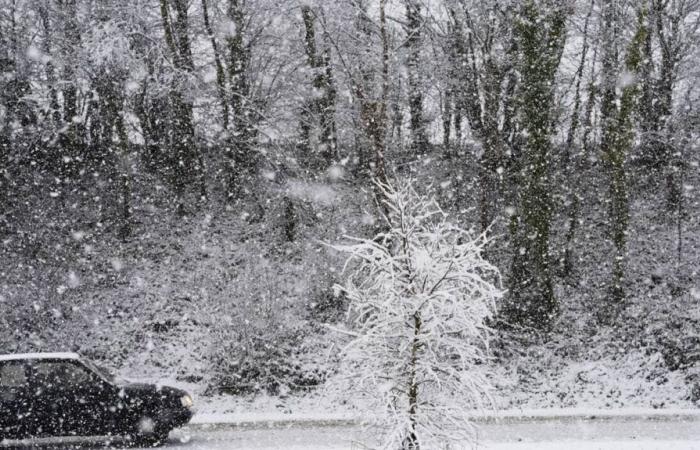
(46, 395)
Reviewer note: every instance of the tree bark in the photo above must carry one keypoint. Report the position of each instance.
(220, 73)
(240, 153)
(414, 42)
(411, 440)
(541, 36)
(615, 145)
(572, 170)
(319, 113)
(186, 161)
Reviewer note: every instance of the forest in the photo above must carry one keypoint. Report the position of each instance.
(176, 177)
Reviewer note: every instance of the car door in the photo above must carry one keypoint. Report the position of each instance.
(70, 412)
(16, 401)
(51, 398)
(89, 400)
(97, 400)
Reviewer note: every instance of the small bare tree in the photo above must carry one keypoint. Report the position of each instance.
(419, 295)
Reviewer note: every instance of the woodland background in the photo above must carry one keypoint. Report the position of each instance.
(170, 171)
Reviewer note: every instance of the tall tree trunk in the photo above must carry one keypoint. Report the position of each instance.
(458, 127)
(492, 157)
(72, 40)
(319, 114)
(572, 169)
(124, 174)
(669, 43)
(54, 106)
(447, 113)
(615, 145)
(240, 153)
(379, 124)
(70, 139)
(5, 139)
(414, 43)
(310, 108)
(108, 129)
(373, 107)
(650, 153)
(482, 70)
(186, 162)
(220, 73)
(541, 35)
(329, 139)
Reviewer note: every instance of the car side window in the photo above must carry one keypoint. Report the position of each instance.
(12, 375)
(61, 375)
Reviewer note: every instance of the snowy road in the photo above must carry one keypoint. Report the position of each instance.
(551, 434)
(560, 434)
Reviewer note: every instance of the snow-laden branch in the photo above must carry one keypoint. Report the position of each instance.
(419, 295)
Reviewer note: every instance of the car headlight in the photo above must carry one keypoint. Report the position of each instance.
(186, 401)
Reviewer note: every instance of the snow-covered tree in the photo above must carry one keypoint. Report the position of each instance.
(419, 295)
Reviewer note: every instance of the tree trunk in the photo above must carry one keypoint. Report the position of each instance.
(379, 124)
(329, 140)
(572, 170)
(616, 143)
(240, 154)
(220, 73)
(411, 441)
(319, 114)
(447, 113)
(415, 86)
(310, 108)
(186, 160)
(541, 37)
(71, 134)
(126, 220)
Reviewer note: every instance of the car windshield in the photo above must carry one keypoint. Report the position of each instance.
(101, 371)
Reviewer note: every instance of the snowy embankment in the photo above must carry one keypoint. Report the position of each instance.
(211, 420)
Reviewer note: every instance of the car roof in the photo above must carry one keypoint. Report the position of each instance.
(36, 356)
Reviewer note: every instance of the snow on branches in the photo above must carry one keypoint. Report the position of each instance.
(419, 295)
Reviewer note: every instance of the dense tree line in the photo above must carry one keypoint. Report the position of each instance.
(527, 98)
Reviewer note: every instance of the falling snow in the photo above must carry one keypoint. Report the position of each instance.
(393, 215)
